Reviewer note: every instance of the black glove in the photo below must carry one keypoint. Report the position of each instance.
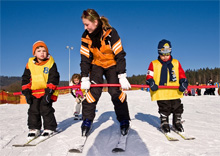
(47, 96)
(152, 84)
(28, 95)
(183, 84)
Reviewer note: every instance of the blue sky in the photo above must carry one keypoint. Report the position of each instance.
(191, 26)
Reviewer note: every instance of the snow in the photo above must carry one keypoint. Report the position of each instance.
(201, 115)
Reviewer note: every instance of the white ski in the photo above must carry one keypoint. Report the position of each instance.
(121, 145)
(79, 144)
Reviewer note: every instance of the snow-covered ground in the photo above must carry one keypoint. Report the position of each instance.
(201, 115)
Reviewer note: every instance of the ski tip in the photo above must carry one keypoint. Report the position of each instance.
(23, 145)
(115, 150)
(75, 151)
(173, 139)
(30, 145)
(17, 145)
(190, 138)
(185, 137)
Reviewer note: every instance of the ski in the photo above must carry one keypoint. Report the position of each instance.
(170, 137)
(41, 139)
(121, 145)
(35, 141)
(183, 135)
(79, 144)
(22, 145)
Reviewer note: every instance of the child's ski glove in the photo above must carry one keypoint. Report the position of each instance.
(85, 84)
(152, 84)
(123, 81)
(183, 84)
(47, 96)
(28, 95)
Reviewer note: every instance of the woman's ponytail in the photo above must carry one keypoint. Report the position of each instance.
(105, 23)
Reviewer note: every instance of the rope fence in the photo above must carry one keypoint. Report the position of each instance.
(118, 85)
(18, 98)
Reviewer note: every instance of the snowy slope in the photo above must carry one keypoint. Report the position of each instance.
(201, 115)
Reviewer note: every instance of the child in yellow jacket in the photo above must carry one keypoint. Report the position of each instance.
(40, 74)
(167, 71)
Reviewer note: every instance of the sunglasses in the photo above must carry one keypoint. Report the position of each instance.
(86, 13)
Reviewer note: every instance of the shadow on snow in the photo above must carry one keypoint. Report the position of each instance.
(107, 139)
(63, 125)
(150, 119)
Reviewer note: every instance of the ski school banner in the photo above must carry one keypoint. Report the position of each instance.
(118, 85)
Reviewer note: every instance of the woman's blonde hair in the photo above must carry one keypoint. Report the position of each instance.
(92, 15)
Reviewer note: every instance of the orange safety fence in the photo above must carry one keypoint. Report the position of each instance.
(6, 97)
(3, 97)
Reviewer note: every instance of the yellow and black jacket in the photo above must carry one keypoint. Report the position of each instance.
(39, 76)
(166, 94)
(110, 53)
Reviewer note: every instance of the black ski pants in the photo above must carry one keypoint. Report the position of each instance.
(96, 76)
(38, 109)
(166, 107)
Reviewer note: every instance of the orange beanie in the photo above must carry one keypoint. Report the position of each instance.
(39, 44)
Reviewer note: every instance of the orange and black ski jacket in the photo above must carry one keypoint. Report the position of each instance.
(111, 52)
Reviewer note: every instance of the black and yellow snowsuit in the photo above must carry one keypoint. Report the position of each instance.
(38, 76)
(108, 60)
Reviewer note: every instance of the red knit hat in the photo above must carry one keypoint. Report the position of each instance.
(39, 44)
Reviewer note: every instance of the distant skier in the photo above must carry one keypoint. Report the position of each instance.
(198, 90)
(40, 73)
(102, 54)
(166, 71)
(78, 94)
(210, 91)
(193, 92)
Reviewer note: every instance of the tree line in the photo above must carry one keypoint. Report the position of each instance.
(202, 75)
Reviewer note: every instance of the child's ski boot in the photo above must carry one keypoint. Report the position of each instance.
(164, 120)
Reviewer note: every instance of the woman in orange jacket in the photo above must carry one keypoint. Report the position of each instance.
(102, 54)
